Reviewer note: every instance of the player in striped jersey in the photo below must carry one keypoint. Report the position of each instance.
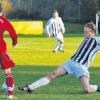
(55, 27)
(78, 64)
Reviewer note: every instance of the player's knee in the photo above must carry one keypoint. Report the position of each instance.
(52, 76)
(7, 71)
(62, 42)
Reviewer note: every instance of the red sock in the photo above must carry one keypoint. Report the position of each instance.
(10, 83)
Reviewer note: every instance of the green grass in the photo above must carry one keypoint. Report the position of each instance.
(34, 58)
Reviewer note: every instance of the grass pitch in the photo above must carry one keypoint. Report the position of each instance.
(34, 58)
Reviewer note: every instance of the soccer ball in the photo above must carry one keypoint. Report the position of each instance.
(4, 87)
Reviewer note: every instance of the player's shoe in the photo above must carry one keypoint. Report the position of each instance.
(11, 97)
(54, 51)
(25, 89)
(98, 89)
(61, 50)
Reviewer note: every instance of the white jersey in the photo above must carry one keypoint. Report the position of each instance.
(54, 26)
(87, 51)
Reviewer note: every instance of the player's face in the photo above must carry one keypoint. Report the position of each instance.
(55, 14)
(1, 14)
(88, 33)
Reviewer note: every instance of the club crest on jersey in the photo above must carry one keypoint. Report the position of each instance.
(88, 46)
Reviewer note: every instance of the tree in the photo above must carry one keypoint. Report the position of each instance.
(6, 5)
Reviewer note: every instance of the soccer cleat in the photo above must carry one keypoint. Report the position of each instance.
(11, 97)
(25, 89)
(54, 51)
(61, 50)
(98, 89)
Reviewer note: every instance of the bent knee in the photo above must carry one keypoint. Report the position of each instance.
(52, 76)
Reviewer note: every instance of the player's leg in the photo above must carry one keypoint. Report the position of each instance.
(60, 39)
(9, 83)
(82, 73)
(7, 64)
(87, 87)
(61, 44)
(85, 83)
(56, 47)
(60, 71)
(45, 80)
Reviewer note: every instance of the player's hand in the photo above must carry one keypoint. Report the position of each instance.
(14, 42)
(62, 31)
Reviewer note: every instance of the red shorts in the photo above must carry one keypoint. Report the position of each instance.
(5, 61)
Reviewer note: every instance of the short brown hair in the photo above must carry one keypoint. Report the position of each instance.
(54, 11)
(92, 26)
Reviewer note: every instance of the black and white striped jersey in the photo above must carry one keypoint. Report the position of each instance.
(54, 26)
(87, 51)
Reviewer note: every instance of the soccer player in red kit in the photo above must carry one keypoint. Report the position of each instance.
(6, 62)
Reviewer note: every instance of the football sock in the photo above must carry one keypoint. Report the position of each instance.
(57, 46)
(10, 83)
(94, 87)
(41, 82)
(61, 46)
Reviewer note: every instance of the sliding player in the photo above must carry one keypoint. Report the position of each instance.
(77, 65)
(55, 27)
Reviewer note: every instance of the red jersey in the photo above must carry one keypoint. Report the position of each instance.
(6, 26)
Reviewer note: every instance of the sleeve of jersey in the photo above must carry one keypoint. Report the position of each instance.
(98, 40)
(62, 25)
(47, 27)
(11, 30)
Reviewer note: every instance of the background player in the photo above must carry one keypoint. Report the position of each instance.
(78, 64)
(97, 21)
(55, 27)
(5, 60)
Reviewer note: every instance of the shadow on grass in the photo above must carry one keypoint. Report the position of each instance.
(26, 74)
